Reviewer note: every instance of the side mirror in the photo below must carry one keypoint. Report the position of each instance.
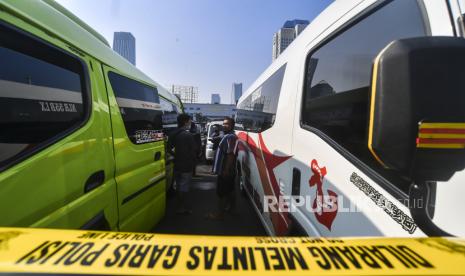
(417, 108)
(417, 116)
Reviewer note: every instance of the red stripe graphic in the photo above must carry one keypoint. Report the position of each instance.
(443, 130)
(441, 141)
(266, 165)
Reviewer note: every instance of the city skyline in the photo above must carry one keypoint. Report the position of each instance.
(207, 46)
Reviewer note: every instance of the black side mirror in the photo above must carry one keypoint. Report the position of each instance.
(417, 115)
(417, 107)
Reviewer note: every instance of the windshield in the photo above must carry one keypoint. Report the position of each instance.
(215, 128)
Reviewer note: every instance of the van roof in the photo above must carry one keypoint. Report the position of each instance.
(76, 20)
(325, 19)
(54, 18)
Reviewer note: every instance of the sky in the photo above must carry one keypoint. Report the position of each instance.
(205, 43)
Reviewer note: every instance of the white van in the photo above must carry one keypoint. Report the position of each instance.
(358, 128)
(209, 152)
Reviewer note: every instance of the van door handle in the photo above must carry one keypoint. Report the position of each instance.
(157, 156)
(296, 183)
(94, 181)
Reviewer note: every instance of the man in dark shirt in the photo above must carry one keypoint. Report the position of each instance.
(198, 145)
(184, 157)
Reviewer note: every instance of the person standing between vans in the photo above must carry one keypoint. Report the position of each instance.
(198, 145)
(184, 157)
(225, 168)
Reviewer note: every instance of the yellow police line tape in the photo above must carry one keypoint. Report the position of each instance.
(25, 250)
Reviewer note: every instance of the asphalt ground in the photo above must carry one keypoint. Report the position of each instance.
(202, 199)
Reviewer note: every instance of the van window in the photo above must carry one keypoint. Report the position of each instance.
(338, 74)
(170, 116)
(42, 91)
(140, 108)
(258, 110)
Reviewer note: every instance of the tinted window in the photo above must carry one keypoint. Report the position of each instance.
(41, 95)
(170, 115)
(338, 74)
(140, 108)
(258, 110)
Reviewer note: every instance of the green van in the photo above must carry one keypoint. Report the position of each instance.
(81, 129)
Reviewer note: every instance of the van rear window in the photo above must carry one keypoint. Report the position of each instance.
(140, 109)
(41, 95)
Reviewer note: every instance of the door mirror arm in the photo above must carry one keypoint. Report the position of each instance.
(419, 196)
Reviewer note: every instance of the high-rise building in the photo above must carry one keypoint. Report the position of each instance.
(216, 99)
(124, 43)
(275, 53)
(284, 36)
(236, 91)
(293, 23)
(299, 28)
(187, 94)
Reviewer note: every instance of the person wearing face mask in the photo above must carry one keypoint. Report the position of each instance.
(184, 159)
